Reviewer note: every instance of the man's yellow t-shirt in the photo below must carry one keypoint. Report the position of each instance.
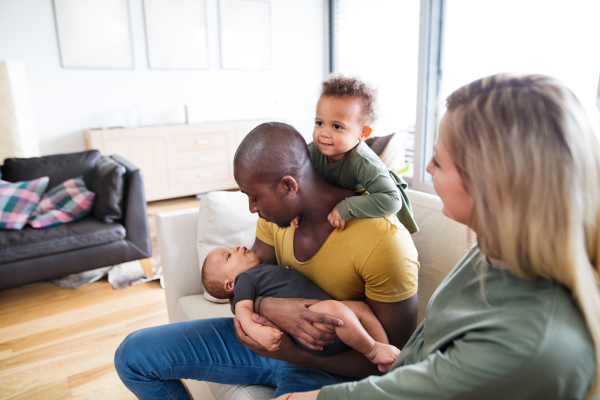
(372, 257)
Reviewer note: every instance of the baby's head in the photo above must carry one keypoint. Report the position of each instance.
(345, 113)
(222, 265)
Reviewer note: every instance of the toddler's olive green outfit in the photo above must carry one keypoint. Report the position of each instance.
(361, 168)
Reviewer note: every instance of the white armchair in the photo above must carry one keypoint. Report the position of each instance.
(224, 219)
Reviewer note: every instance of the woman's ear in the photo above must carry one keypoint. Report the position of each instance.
(288, 186)
(366, 132)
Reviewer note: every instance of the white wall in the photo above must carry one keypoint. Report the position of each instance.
(66, 101)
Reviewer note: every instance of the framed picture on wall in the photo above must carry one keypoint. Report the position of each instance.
(245, 34)
(176, 35)
(94, 33)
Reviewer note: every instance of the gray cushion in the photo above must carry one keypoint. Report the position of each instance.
(108, 183)
(31, 243)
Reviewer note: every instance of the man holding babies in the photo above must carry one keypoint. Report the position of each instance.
(370, 259)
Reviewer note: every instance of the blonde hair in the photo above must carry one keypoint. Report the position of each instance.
(529, 154)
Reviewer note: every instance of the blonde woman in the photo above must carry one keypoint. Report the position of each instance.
(518, 161)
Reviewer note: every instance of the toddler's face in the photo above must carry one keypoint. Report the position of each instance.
(232, 261)
(339, 125)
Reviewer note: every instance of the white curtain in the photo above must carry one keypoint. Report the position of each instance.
(18, 137)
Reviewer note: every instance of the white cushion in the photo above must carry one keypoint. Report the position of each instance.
(197, 307)
(224, 220)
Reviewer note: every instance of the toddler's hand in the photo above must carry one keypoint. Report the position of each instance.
(335, 220)
(269, 338)
(296, 222)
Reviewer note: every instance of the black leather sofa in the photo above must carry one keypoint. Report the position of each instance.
(31, 255)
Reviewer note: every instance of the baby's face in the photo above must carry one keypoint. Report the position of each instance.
(232, 261)
(338, 126)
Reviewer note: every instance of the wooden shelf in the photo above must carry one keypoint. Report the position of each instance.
(177, 160)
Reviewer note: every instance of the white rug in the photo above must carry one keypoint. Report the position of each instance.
(120, 276)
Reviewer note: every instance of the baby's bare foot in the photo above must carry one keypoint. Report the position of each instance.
(384, 355)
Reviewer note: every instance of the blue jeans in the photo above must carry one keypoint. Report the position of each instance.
(151, 361)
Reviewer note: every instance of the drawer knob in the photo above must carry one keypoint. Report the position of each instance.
(204, 175)
(201, 141)
(203, 158)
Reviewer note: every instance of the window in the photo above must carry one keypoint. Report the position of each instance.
(459, 41)
(378, 41)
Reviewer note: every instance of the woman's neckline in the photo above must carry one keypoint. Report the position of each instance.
(495, 263)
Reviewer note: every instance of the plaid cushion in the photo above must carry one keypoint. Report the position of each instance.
(66, 202)
(18, 200)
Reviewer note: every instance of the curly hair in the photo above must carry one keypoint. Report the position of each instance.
(213, 283)
(338, 85)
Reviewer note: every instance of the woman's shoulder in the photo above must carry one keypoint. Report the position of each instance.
(540, 322)
(549, 340)
(526, 331)
(537, 315)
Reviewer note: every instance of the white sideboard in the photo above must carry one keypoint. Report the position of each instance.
(177, 160)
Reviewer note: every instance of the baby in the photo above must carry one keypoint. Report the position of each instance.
(345, 111)
(236, 272)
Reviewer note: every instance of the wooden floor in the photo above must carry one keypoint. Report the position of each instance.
(58, 343)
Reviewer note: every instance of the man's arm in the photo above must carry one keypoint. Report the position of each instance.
(398, 319)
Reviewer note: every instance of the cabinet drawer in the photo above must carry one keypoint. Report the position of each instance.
(202, 175)
(201, 159)
(201, 142)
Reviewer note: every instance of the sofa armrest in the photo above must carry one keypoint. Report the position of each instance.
(135, 215)
(177, 232)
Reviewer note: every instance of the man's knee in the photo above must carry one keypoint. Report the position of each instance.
(129, 352)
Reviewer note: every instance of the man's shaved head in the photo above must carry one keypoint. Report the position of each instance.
(271, 151)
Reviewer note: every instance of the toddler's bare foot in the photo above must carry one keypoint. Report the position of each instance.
(384, 355)
(384, 367)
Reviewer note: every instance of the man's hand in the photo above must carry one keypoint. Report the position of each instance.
(335, 220)
(293, 316)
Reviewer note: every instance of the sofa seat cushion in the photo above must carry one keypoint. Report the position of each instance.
(33, 243)
(197, 307)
